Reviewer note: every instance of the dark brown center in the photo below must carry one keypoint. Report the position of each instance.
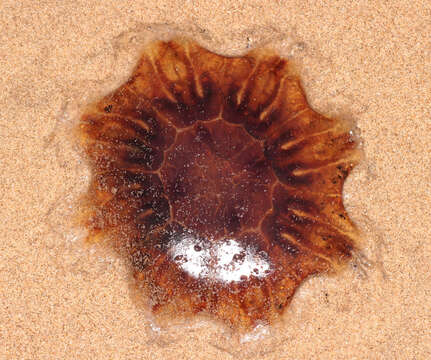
(217, 179)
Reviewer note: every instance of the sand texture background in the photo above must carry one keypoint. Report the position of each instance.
(367, 61)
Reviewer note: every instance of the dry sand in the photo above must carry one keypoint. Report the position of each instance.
(369, 61)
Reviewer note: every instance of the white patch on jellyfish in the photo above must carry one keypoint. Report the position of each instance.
(189, 254)
(226, 261)
(236, 263)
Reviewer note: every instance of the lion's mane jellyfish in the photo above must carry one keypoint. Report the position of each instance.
(217, 181)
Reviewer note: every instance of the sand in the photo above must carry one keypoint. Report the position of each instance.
(369, 62)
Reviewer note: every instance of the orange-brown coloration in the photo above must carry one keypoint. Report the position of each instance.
(219, 183)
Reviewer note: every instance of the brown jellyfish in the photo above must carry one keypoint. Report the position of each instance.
(218, 182)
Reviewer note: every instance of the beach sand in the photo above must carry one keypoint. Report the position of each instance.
(368, 62)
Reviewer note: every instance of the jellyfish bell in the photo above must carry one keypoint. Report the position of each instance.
(222, 185)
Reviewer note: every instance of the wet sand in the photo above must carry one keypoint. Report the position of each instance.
(368, 63)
